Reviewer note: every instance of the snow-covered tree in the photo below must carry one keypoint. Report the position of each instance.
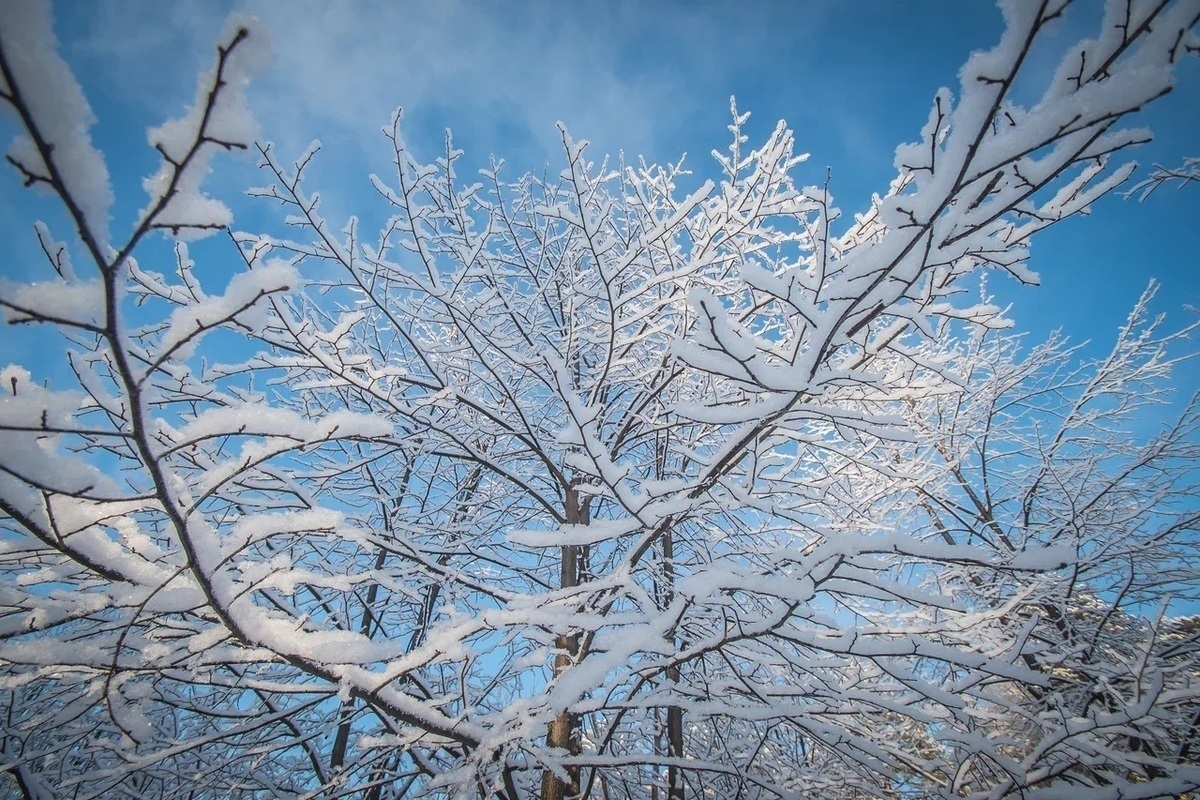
(1037, 452)
(580, 485)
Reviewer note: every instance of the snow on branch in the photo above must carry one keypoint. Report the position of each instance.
(575, 483)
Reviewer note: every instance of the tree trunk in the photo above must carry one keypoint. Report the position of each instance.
(674, 713)
(564, 732)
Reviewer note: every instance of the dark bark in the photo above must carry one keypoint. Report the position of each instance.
(564, 731)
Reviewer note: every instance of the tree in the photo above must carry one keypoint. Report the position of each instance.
(584, 485)
(1039, 452)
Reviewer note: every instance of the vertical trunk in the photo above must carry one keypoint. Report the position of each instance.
(346, 713)
(665, 593)
(674, 747)
(564, 732)
(674, 713)
(386, 509)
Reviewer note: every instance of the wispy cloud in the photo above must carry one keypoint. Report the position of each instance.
(498, 74)
(625, 75)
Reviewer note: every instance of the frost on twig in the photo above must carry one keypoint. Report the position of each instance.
(1188, 172)
(218, 119)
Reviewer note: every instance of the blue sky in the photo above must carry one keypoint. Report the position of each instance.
(854, 79)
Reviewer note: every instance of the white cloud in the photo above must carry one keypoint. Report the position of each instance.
(648, 79)
(146, 54)
(491, 71)
(623, 74)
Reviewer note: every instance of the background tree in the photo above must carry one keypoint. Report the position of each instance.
(584, 485)
(1041, 452)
